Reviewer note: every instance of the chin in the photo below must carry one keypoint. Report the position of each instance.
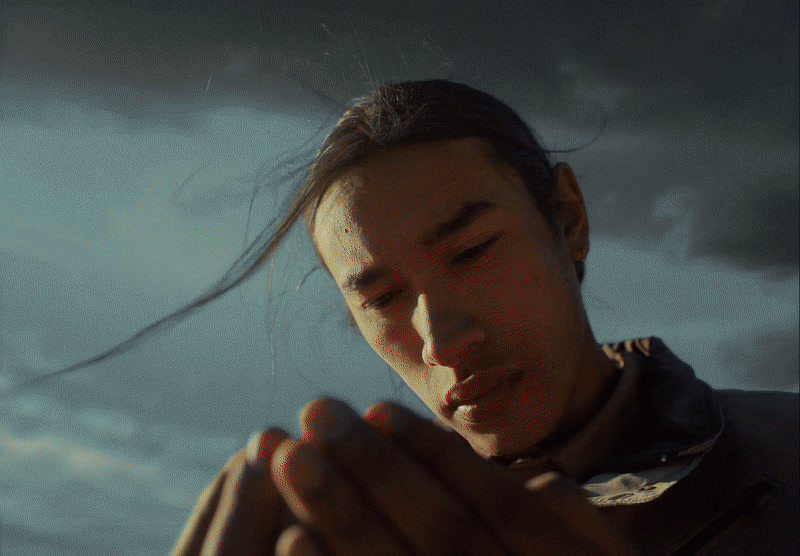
(507, 442)
(497, 444)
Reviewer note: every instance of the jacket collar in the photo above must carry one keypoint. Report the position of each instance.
(659, 414)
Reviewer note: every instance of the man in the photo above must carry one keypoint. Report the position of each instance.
(545, 441)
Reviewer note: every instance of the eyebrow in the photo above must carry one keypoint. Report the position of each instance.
(466, 214)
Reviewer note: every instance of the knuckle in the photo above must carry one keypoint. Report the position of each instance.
(236, 461)
(307, 471)
(313, 409)
(254, 451)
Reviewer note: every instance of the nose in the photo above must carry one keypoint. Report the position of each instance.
(448, 330)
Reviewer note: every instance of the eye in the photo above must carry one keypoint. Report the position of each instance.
(465, 256)
(474, 252)
(381, 301)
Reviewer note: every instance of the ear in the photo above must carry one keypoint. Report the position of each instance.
(572, 212)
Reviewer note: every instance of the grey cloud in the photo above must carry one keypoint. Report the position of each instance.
(147, 534)
(757, 229)
(700, 59)
(705, 85)
(733, 199)
(765, 359)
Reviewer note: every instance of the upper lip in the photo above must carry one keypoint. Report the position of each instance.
(475, 386)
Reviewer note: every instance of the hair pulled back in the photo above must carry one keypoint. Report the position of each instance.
(392, 115)
(422, 111)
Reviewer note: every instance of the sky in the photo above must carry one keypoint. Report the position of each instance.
(134, 136)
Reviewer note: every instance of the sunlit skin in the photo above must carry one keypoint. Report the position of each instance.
(500, 295)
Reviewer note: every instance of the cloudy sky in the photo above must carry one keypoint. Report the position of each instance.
(133, 138)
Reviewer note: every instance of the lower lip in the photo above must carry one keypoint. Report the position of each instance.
(491, 406)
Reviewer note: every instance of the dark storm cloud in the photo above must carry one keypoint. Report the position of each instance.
(735, 195)
(705, 94)
(764, 360)
(700, 57)
(757, 226)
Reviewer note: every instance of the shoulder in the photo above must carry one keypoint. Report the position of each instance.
(751, 474)
(758, 410)
(754, 400)
(763, 426)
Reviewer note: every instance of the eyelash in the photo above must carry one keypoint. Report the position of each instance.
(467, 255)
(473, 252)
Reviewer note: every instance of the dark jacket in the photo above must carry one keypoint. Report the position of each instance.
(742, 498)
(681, 468)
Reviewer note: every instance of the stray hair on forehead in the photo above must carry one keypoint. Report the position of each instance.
(392, 115)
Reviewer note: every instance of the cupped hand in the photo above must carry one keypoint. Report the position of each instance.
(241, 512)
(394, 483)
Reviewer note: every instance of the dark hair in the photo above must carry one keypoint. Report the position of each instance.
(392, 115)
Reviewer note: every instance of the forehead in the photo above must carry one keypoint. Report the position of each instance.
(385, 205)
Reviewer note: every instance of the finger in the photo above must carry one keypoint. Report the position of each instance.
(412, 499)
(194, 533)
(247, 517)
(324, 499)
(551, 512)
(298, 541)
(478, 482)
(261, 446)
(259, 452)
(493, 491)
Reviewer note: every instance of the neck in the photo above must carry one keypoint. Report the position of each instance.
(595, 383)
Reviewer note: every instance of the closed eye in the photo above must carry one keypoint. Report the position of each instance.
(474, 252)
(465, 256)
(381, 301)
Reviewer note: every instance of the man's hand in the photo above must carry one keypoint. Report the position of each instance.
(240, 512)
(394, 483)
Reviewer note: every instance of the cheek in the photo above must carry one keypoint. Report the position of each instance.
(395, 346)
(402, 350)
(514, 293)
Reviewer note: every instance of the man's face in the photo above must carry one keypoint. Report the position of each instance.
(454, 278)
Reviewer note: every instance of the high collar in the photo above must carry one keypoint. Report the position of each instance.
(658, 413)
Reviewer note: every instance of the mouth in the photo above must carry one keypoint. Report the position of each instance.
(487, 399)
